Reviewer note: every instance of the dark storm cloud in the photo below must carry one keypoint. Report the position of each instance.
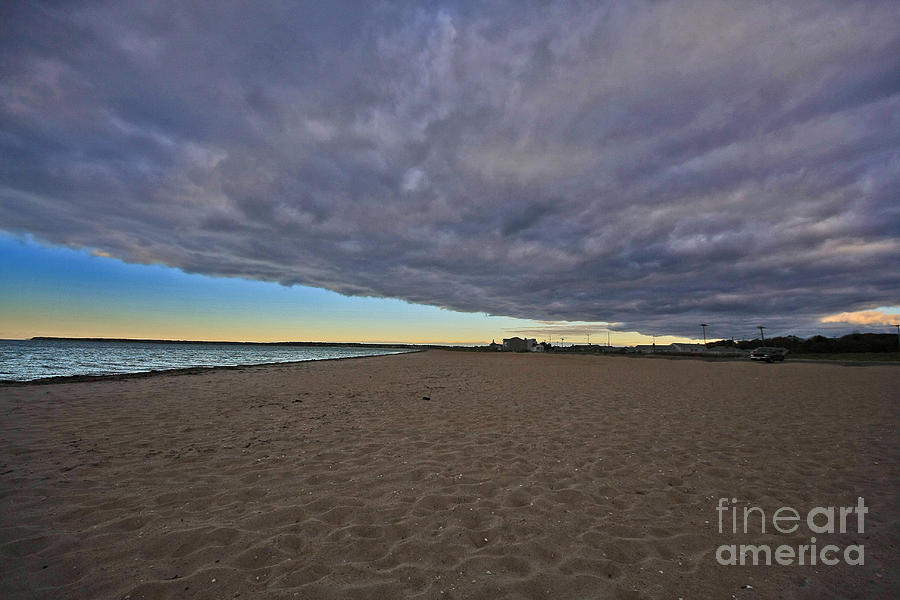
(649, 164)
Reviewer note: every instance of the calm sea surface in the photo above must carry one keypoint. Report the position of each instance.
(25, 360)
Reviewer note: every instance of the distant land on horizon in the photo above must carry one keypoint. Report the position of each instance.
(817, 344)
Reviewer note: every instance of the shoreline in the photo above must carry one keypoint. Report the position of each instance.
(176, 371)
(201, 369)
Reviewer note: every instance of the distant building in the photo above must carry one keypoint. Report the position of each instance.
(647, 348)
(514, 344)
(687, 348)
(517, 344)
(495, 346)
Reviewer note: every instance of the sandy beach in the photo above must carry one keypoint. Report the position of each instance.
(446, 475)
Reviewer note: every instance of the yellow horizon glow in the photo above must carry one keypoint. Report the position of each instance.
(25, 323)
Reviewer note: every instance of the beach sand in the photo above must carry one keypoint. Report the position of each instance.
(445, 475)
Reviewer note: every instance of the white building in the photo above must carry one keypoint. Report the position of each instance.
(687, 348)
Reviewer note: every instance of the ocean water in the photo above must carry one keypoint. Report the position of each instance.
(26, 360)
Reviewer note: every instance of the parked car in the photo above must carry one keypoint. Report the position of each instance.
(768, 354)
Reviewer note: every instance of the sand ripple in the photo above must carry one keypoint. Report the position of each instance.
(522, 477)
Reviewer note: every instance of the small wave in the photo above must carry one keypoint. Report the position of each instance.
(25, 360)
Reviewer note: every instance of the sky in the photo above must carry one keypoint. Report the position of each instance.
(449, 171)
(57, 291)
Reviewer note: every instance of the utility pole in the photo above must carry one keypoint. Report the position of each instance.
(607, 338)
(704, 326)
(762, 335)
(898, 334)
(589, 339)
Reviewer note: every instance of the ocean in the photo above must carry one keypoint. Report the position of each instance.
(27, 360)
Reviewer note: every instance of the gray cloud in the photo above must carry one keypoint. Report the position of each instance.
(650, 164)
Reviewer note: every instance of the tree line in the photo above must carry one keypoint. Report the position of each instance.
(818, 344)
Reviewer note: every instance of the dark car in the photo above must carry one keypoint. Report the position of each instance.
(768, 354)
